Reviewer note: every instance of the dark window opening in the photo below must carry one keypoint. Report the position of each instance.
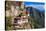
(15, 20)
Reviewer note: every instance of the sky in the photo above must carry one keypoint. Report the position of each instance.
(37, 5)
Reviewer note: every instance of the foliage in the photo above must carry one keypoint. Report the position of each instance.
(20, 9)
(8, 22)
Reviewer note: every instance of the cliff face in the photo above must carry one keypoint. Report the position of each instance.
(38, 17)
